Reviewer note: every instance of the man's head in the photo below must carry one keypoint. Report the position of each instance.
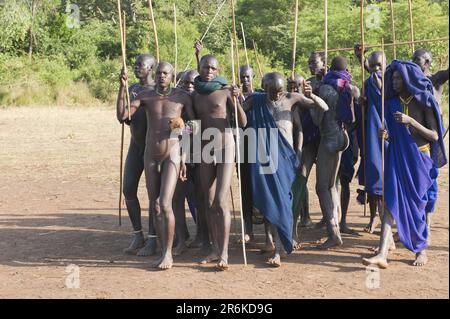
(164, 74)
(179, 76)
(187, 80)
(397, 83)
(144, 65)
(294, 85)
(377, 61)
(274, 85)
(339, 63)
(423, 59)
(246, 76)
(209, 67)
(316, 63)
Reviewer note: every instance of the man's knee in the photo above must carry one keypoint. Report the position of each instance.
(130, 191)
(220, 204)
(322, 188)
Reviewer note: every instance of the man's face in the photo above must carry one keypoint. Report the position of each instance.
(316, 65)
(246, 77)
(294, 85)
(397, 83)
(142, 67)
(164, 75)
(274, 89)
(188, 81)
(209, 69)
(376, 63)
(422, 59)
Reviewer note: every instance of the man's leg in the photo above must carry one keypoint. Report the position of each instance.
(345, 200)
(165, 220)
(247, 201)
(327, 167)
(275, 261)
(208, 182)
(385, 241)
(134, 166)
(180, 218)
(222, 211)
(309, 154)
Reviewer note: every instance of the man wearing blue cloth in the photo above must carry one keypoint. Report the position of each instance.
(416, 149)
(275, 154)
(371, 163)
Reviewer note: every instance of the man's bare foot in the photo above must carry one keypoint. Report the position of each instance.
(275, 261)
(222, 265)
(320, 224)
(421, 259)
(166, 262)
(370, 228)
(376, 249)
(347, 230)
(378, 260)
(297, 245)
(210, 258)
(330, 242)
(149, 249)
(268, 248)
(179, 249)
(306, 223)
(137, 242)
(249, 239)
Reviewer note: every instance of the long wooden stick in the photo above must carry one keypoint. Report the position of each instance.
(246, 54)
(382, 120)
(176, 40)
(121, 174)
(393, 28)
(363, 106)
(155, 32)
(441, 39)
(257, 59)
(238, 154)
(122, 45)
(294, 49)
(233, 15)
(206, 32)
(326, 33)
(411, 26)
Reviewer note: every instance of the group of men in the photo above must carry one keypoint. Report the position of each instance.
(285, 128)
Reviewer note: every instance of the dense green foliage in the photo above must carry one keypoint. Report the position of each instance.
(79, 64)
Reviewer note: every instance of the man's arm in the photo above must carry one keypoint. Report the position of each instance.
(231, 98)
(439, 78)
(358, 52)
(248, 103)
(297, 132)
(189, 107)
(120, 107)
(198, 46)
(309, 100)
(430, 133)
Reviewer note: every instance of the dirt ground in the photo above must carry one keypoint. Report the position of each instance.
(58, 206)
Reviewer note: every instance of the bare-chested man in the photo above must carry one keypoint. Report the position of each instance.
(279, 104)
(423, 58)
(185, 189)
(162, 158)
(311, 137)
(213, 101)
(415, 151)
(134, 163)
(338, 92)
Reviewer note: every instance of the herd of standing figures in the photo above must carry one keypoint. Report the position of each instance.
(298, 123)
